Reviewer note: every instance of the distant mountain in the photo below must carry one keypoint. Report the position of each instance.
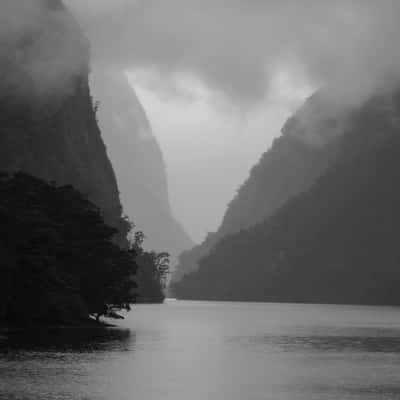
(337, 242)
(138, 162)
(295, 160)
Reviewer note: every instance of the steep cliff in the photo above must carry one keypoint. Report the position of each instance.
(48, 124)
(335, 242)
(138, 162)
(295, 160)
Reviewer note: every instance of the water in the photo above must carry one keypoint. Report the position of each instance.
(212, 351)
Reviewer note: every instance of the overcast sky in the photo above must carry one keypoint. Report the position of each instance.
(218, 77)
(210, 144)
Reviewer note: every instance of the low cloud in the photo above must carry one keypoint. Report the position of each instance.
(239, 46)
(41, 47)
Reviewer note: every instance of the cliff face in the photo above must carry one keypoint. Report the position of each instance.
(335, 242)
(138, 162)
(295, 160)
(48, 126)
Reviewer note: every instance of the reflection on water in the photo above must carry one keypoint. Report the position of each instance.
(213, 351)
(337, 344)
(65, 340)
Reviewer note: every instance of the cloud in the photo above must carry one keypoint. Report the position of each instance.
(238, 46)
(41, 47)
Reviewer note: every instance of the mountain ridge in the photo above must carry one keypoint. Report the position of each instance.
(138, 161)
(335, 243)
(48, 128)
(292, 163)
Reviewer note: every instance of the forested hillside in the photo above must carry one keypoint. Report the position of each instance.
(306, 147)
(336, 242)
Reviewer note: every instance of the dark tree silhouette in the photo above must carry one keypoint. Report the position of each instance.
(153, 271)
(59, 260)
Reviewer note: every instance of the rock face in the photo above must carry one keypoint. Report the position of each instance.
(334, 243)
(295, 160)
(48, 125)
(138, 162)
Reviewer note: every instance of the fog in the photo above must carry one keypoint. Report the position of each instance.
(50, 51)
(237, 50)
(210, 144)
(234, 46)
(209, 73)
(238, 46)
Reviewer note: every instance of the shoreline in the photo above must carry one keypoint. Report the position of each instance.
(91, 323)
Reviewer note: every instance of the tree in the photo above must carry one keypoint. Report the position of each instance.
(161, 261)
(153, 270)
(65, 263)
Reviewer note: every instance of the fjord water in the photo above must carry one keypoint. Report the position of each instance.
(214, 351)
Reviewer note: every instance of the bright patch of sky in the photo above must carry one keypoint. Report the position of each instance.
(210, 144)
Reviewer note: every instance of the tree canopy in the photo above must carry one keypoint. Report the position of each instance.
(153, 271)
(59, 260)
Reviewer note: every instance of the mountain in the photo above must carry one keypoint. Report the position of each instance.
(138, 162)
(48, 124)
(334, 243)
(295, 160)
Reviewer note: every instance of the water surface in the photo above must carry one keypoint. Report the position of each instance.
(213, 351)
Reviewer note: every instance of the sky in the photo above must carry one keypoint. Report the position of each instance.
(218, 78)
(210, 144)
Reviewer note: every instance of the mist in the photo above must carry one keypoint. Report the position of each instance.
(41, 47)
(238, 46)
(232, 54)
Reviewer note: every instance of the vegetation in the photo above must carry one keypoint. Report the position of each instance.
(64, 256)
(153, 270)
(335, 243)
(59, 262)
(304, 151)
